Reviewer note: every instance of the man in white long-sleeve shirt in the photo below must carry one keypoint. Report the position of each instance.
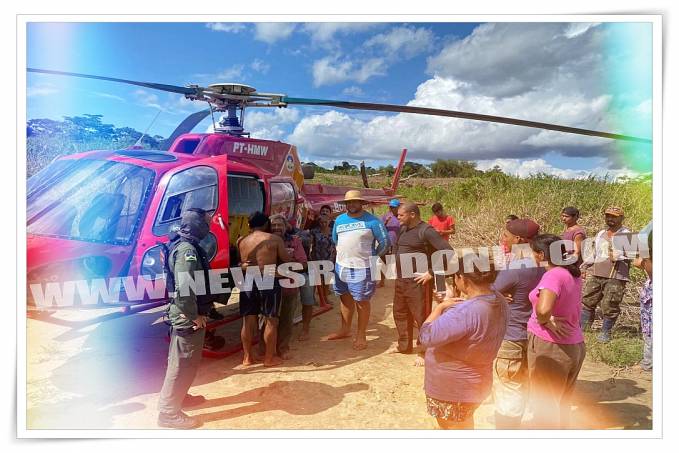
(358, 235)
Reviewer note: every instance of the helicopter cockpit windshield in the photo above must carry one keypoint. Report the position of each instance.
(88, 200)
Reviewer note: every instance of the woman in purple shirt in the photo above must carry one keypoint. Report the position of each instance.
(556, 347)
(462, 338)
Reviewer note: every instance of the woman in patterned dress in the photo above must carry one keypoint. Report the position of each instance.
(322, 247)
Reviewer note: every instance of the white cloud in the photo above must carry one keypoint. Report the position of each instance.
(325, 135)
(260, 66)
(270, 125)
(566, 87)
(509, 59)
(231, 74)
(403, 42)
(331, 70)
(108, 96)
(430, 137)
(170, 103)
(371, 59)
(577, 28)
(267, 124)
(270, 32)
(526, 168)
(324, 32)
(353, 91)
(645, 107)
(40, 90)
(227, 27)
(148, 99)
(327, 163)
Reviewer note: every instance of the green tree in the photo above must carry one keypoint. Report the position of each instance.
(451, 168)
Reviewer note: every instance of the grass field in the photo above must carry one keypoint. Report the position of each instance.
(481, 204)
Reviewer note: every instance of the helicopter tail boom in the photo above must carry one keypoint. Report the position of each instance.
(399, 169)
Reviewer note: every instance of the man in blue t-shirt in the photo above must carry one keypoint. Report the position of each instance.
(358, 236)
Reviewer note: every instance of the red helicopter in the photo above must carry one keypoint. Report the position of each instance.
(102, 214)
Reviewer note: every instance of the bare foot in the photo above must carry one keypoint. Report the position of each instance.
(275, 361)
(304, 336)
(419, 361)
(337, 336)
(249, 361)
(394, 349)
(359, 345)
(285, 355)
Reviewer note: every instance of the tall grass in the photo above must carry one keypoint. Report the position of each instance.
(481, 204)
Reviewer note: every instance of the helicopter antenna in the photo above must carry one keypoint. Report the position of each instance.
(138, 144)
(212, 114)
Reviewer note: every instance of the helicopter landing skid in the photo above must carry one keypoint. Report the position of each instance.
(46, 315)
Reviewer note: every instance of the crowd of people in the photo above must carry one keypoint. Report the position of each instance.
(516, 331)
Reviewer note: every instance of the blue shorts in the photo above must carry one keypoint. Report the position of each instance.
(357, 282)
(306, 292)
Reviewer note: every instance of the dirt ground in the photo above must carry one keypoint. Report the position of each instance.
(108, 374)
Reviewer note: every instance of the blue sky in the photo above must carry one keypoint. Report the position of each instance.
(545, 72)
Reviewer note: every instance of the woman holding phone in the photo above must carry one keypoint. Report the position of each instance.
(462, 337)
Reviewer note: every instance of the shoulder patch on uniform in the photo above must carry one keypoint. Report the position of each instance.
(190, 255)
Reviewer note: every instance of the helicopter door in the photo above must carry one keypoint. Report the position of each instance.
(246, 196)
(194, 187)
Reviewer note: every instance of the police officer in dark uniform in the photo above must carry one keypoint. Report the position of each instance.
(188, 315)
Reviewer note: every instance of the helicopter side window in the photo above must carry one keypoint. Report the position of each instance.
(187, 145)
(195, 187)
(283, 199)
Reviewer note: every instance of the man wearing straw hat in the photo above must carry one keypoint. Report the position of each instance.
(358, 236)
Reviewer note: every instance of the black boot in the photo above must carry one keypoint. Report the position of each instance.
(605, 335)
(586, 318)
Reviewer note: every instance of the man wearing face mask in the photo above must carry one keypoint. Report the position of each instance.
(188, 315)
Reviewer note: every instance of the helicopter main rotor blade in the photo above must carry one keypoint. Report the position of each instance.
(458, 114)
(283, 101)
(155, 86)
(184, 127)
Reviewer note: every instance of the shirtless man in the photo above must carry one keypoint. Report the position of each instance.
(261, 248)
